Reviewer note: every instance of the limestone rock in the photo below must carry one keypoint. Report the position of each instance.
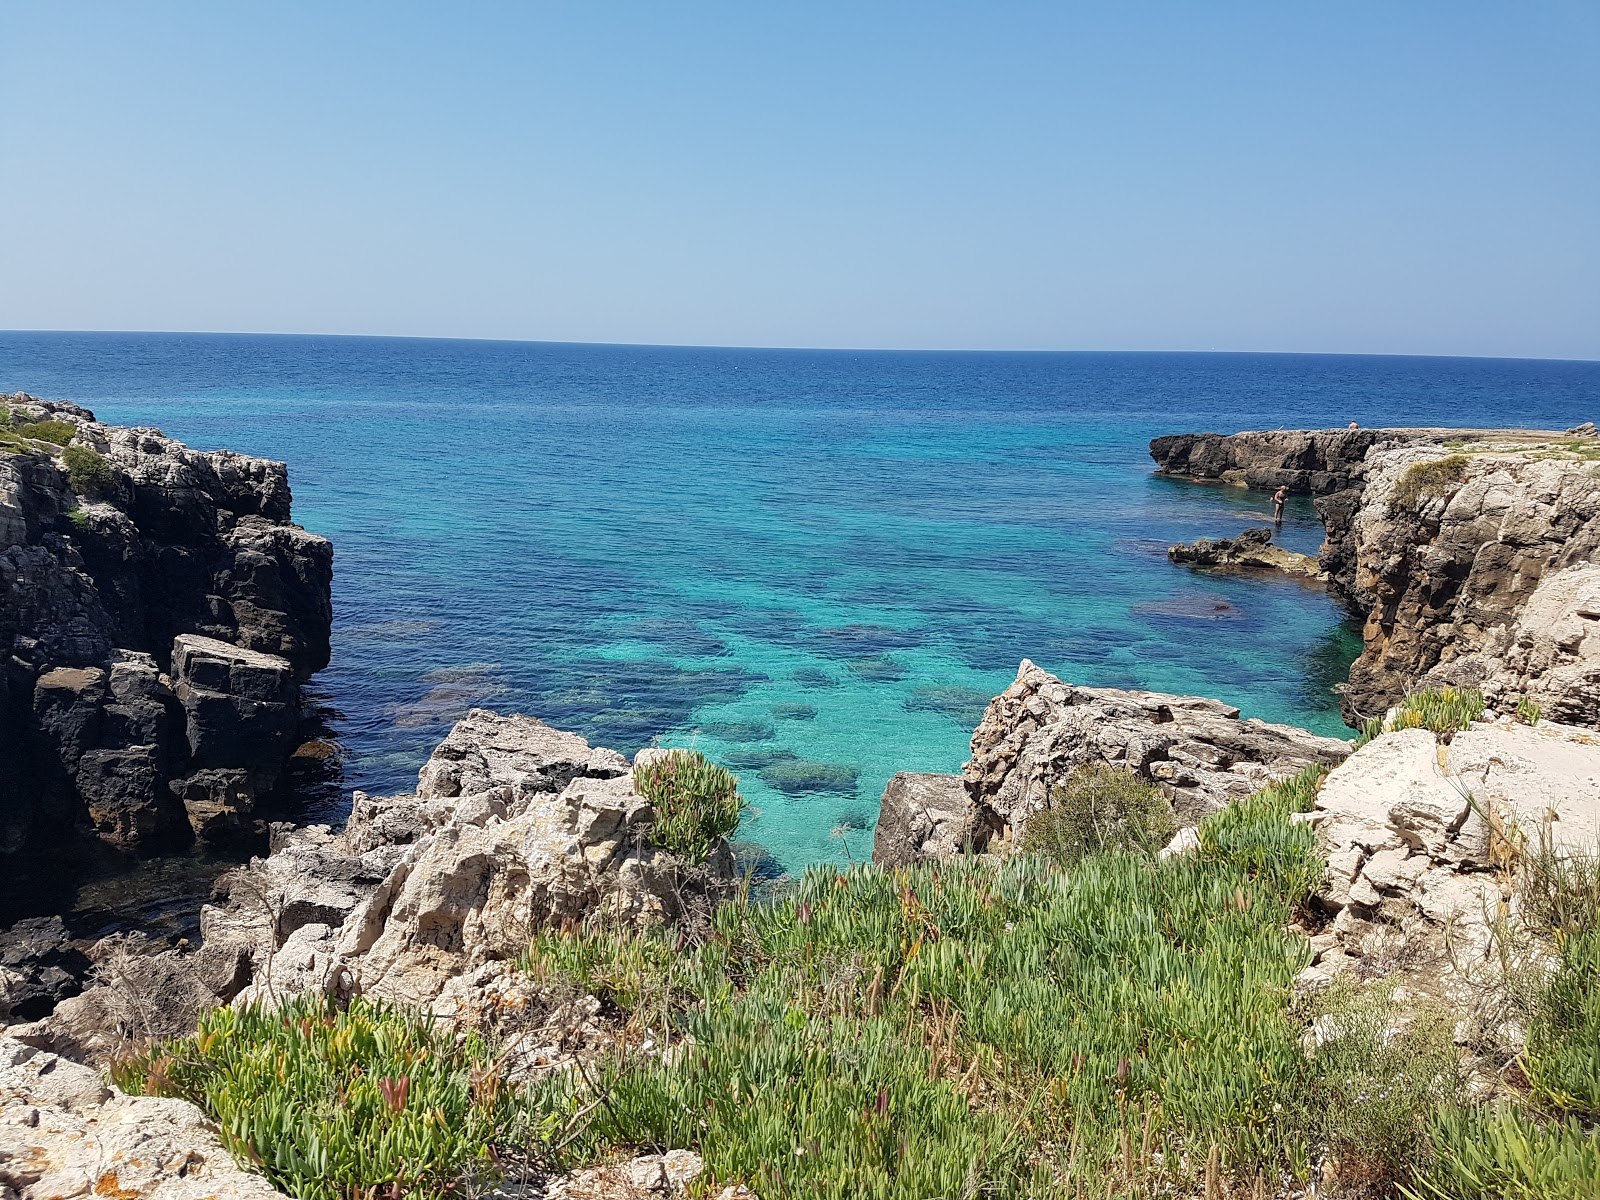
(649, 1175)
(1253, 548)
(65, 1133)
(420, 898)
(1409, 827)
(1472, 556)
(1489, 580)
(1037, 732)
(925, 816)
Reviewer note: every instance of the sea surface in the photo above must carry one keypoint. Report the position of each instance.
(816, 566)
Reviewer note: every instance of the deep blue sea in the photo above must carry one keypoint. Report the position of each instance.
(814, 565)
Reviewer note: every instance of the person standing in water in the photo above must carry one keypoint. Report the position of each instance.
(1278, 499)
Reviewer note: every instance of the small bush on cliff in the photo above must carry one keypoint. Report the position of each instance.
(697, 803)
(329, 1105)
(1562, 1059)
(58, 432)
(1100, 809)
(1426, 480)
(87, 470)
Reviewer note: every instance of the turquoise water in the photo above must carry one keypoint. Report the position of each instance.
(816, 566)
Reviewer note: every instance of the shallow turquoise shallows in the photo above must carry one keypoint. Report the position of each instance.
(815, 566)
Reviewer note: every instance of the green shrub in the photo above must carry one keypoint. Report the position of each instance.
(1426, 480)
(1378, 1075)
(1255, 835)
(1528, 711)
(1101, 809)
(697, 803)
(329, 1104)
(58, 432)
(1498, 1153)
(87, 470)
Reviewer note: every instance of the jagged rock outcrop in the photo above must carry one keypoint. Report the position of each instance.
(40, 966)
(158, 613)
(1040, 730)
(1468, 554)
(1252, 548)
(1424, 844)
(63, 1132)
(1317, 462)
(425, 898)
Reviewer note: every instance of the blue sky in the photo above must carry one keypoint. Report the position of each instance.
(1389, 177)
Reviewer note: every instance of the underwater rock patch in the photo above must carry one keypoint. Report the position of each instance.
(964, 704)
(800, 777)
(794, 712)
(812, 677)
(739, 731)
(879, 669)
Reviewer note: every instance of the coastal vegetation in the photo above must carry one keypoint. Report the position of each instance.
(1080, 1021)
(1098, 810)
(1426, 480)
(87, 470)
(697, 803)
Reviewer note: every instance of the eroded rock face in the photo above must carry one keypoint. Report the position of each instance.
(1418, 840)
(1317, 462)
(1040, 730)
(924, 817)
(1489, 579)
(424, 898)
(63, 1132)
(118, 602)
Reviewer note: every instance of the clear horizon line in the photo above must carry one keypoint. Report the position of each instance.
(418, 337)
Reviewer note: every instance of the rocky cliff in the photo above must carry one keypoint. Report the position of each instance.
(1470, 555)
(159, 612)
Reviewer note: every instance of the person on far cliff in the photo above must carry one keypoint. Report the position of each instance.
(1279, 497)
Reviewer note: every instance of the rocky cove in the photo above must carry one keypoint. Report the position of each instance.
(163, 619)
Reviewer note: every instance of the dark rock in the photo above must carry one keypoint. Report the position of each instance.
(1252, 548)
(39, 968)
(153, 636)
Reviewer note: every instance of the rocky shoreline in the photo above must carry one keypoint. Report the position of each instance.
(163, 620)
(1469, 555)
